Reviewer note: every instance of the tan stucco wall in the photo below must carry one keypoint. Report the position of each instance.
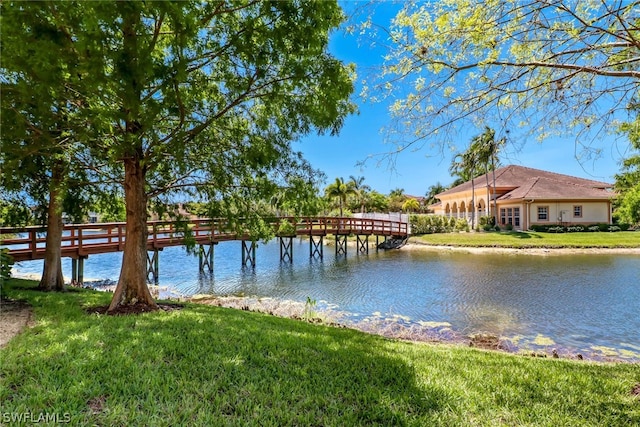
(592, 212)
(465, 197)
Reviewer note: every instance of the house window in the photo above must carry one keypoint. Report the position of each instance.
(543, 213)
(510, 216)
(577, 211)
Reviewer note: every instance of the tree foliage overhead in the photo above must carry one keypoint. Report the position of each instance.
(41, 81)
(543, 65)
(214, 92)
(198, 98)
(628, 180)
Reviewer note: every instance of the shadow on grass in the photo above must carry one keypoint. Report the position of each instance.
(521, 235)
(206, 365)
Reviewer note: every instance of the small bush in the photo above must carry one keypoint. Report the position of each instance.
(593, 228)
(6, 263)
(575, 229)
(556, 229)
(429, 224)
(451, 224)
(461, 224)
(508, 227)
(487, 227)
(487, 220)
(286, 228)
(614, 228)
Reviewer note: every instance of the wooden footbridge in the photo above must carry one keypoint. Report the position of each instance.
(81, 240)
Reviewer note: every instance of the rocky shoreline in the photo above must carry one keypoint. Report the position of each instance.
(399, 327)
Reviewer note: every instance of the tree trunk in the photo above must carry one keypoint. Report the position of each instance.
(473, 204)
(495, 201)
(52, 278)
(132, 285)
(488, 207)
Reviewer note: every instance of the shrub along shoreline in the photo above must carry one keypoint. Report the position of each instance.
(207, 365)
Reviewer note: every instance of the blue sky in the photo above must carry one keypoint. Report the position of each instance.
(362, 138)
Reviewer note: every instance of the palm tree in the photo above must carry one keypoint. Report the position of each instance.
(434, 190)
(396, 199)
(488, 149)
(411, 205)
(465, 164)
(339, 190)
(360, 190)
(494, 148)
(480, 144)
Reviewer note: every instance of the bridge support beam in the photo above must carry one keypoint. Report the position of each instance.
(315, 248)
(205, 257)
(363, 243)
(248, 253)
(153, 266)
(378, 242)
(77, 271)
(341, 244)
(286, 249)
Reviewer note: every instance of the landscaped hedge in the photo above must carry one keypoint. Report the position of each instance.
(429, 224)
(554, 228)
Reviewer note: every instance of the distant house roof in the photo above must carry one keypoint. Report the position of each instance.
(420, 199)
(527, 183)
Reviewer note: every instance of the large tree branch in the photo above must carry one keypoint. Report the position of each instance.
(548, 65)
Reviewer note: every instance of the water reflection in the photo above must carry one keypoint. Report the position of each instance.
(575, 301)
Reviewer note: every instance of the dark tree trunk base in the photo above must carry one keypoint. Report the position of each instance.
(138, 308)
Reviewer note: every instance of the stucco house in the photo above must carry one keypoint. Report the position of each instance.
(527, 196)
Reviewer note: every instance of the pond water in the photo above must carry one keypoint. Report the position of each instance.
(580, 303)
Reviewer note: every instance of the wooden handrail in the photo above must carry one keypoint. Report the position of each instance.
(85, 239)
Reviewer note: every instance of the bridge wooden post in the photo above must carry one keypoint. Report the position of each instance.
(249, 254)
(74, 271)
(341, 244)
(205, 257)
(153, 266)
(33, 245)
(315, 248)
(363, 244)
(286, 249)
(81, 270)
(77, 271)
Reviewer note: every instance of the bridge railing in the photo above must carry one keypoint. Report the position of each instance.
(79, 240)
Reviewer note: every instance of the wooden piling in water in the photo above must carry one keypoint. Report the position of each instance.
(248, 254)
(286, 249)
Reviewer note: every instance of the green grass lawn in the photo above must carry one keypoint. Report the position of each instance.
(205, 365)
(515, 239)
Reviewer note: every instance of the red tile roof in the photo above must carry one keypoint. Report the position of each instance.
(529, 183)
(544, 188)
